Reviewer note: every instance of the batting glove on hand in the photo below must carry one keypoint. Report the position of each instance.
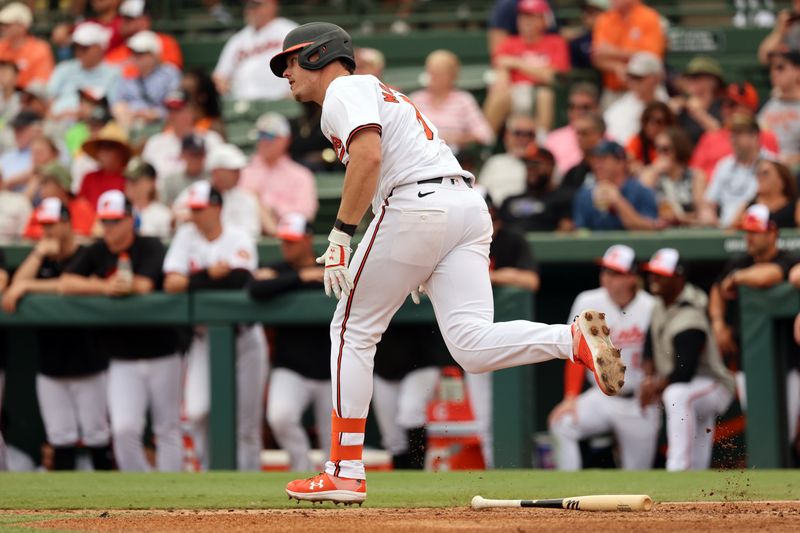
(337, 277)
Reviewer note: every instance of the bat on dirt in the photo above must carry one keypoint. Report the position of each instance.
(603, 502)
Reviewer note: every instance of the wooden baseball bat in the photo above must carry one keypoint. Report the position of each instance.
(603, 502)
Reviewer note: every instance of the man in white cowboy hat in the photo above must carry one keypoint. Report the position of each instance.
(90, 41)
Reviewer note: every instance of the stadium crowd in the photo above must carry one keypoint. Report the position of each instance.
(109, 149)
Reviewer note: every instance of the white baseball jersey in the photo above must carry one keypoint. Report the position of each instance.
(245, 61)
(191, 252)
(628, 328)
(411, 149)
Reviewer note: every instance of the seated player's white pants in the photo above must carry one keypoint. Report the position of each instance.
(3, 465)
(691, 410)
(251, 375)
(133, 386)
(792, 398)
(635, 429)
(74, 409)
(289, 395)
(402, 404)
(442, 241)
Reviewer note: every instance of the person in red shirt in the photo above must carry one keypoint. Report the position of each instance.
(33, 57)
(524, 67)
(55, 182)
(739, 99)
(107, 14)
(112, 152)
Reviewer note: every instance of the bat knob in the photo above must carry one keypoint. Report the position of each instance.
(476, 502)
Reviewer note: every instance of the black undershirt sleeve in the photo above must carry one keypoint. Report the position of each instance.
(268, 288)
(687, 346)
(237, 279)
(647, 352)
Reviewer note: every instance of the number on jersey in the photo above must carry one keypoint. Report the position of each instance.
(390, 95)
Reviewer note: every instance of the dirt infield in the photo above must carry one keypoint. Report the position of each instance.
(727, 516)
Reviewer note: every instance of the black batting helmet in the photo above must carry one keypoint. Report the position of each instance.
(328, 41)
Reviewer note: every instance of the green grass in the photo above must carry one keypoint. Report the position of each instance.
(227, 490)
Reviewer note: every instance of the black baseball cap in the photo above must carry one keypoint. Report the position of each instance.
(611, 148)
(193, 143)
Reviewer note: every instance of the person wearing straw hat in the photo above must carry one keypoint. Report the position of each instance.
(71, 384)
(683, 366)
(112, 152)
(586, 414)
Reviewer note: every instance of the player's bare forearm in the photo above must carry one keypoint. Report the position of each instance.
(42, 286)
(142, 285)
(716, 304)
(28, 269)
(175, 283)
(75, 284)
(759, 276)
(361, 177)
(3, 279)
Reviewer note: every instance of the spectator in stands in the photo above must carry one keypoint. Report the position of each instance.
(140, 100)
(699, 106)
(627, 27)
(203, 95)
(87, 70)
(15, 208)
(43, 153)
(240, 207)
(163, 150)
(193, 154)
(503, 22)
(454, 112)
(106, 14)
(136, 19)
(207, 254)
(78, 133)
(504, 174)
(82, 163)
(35, 98)
(9, 91)
(145, 370)
(55, 182)
(524, 68)
(17, 163)
(71, 382)
(741, 99)
(684, 368)
(370, 61)
(644, 76)
(581, 415)
(590, 130)
(153, 219)
(281, 185)
(112, 152)
(542, 207)
(781, 113)
(240, 70)
(563, 142)
(301, 370)
(656, 118)
(763, 266)
(33, 56)
(785, 34)
(616, 200)
(733, 182)
(679, 188)
(777, 189)
(580, 45)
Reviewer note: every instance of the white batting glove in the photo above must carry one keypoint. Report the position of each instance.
(336, 258)
(416, 294)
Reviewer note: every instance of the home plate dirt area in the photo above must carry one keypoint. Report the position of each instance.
(706, 516)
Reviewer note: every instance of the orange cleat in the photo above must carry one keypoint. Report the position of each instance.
(592, 347)
(325, 488)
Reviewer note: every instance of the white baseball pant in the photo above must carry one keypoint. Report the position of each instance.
(691, 410)
(288, 397)
(251, 375)
(636, 429)
(792, 398)
(3, 465)
(442, 241)
(133, 385)
(403, 404)
(74, 409)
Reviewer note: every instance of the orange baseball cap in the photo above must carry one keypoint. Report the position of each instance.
(743, 94)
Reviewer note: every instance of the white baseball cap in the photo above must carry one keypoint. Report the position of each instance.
(91, 33)
(226, 156)
(16, 13)
(665, 262)
(271, 125)
(132, 8)
(756, 219)
(112, 205)
(50, 211)
(293, 227)
(618, 258)
(145, 42)
(202, 195)
(645, 64)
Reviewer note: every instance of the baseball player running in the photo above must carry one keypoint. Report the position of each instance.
(430, 229)
(591, 413)
(206, 255)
